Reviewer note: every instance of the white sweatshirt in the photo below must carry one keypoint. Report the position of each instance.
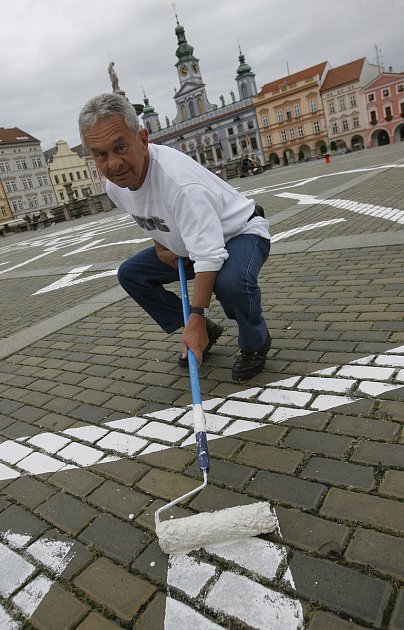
(188, 209)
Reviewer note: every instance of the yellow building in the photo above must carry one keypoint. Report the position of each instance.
(291, 117)
(66, 167)
(5, 211)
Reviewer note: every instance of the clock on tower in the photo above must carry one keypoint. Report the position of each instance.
(184, 70)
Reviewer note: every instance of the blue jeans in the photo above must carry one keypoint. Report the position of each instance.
(236, 288)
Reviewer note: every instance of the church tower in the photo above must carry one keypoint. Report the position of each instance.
(190, 99)
(150, 117)
(245, 78)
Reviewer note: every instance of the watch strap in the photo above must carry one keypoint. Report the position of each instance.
(198, 310)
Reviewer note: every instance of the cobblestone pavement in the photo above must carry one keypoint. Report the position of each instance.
(96, 429)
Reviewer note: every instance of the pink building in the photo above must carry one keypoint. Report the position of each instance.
(384, 101)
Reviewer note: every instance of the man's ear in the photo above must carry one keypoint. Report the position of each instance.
(144, 136)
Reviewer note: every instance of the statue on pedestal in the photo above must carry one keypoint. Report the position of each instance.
(222, 100)
(113, 77)
(233, 97)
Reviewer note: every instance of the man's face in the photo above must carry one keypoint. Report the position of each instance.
(119, 153)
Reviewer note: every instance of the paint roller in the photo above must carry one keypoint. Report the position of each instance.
(213, 528)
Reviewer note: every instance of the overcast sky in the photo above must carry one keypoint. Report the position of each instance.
(55, 53)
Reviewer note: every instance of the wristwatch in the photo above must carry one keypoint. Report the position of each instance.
(197, 310)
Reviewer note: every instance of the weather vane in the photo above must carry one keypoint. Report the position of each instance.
(175, 12)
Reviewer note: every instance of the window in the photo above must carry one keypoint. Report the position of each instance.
(17, 205)
(265, 121)
(191, 109)
(64, 177)
(71, 177)
(5, 167)
(400, 88)
(316, 126)
(355, 121)
(85, 174)
(219, 154)
(239, 128)
(280, 115)
(288, 113)
(386, 92)
(254, 144)
(33, 202)
(345, 124)
(402, 108)
(234, 148)
(62, 196)
(373, 118)
(387, 113)
(11, 186)
(300, 131)
(37, 162)
(283, 136)
(331, 107)
(335, 128)
(78, 174)
(269, 140)
(292, 133)
(352, 100)
(95, 174)
(371, 97)
(244, 90)
(230, 131)
(42, 180)
(47, 198)
(21, 165)
(250, 124)
(341, 104)
(27, 183)
(313, 105)
(56, 179)
(296, 109)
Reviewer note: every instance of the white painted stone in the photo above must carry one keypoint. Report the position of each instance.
(14, 571)
(81, 454)
(242, 425)
(283, 413)
(29, 598)
(323, 402)
(207, 405)
(169, 415)
(400, 376)
(188, 574)
(247, 393)
(258, 607)
(366, 372)
(336, 385)
(37, 463)
(54, 554)
(398, 350)
(373, 388)
(89, 433)
(330, 371)
(214, 423)
(154, 447)
(245, 409)
(8, 473)
(108, 459)
(16, 540)
(288, 579)
(122, 443)
(390, 360)
(6, 622)
(254, 554)
(285, 397)
(129, 425)
(49, 442)
(162, 431)
(364, 361)
(285, 382)
(179, 616)
(12, 452)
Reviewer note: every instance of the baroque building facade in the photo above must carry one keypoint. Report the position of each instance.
(384, 102)
(210, 134)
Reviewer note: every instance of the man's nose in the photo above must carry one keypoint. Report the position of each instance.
(114, 162)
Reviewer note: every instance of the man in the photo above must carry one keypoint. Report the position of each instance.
(189, 213)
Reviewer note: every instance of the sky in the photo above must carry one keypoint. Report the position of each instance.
(55, 53)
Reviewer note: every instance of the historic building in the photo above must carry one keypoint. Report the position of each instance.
(210, 134)
(98, 179)
(5, 211)
(384, 102)
(24, 173)
(291, 116)
(67, 169)
(344, 109)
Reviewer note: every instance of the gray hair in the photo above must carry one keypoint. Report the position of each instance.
(104, 105)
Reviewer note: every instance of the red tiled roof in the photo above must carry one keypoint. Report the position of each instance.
(342, 75)
(15, 136)
(384, 79)
(294, 78)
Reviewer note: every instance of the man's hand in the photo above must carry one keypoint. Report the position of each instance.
(195, 337)
(168, 257)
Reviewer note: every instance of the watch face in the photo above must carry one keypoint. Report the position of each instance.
(184, 70)
(195, 67)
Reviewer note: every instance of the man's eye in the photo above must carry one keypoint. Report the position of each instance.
(121, 148)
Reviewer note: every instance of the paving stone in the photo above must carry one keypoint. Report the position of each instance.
(270, 434)
(397, 619)
(147, 518)
(228, 473)
(167, 485)
(366, 427)
(171, 458)
(360, 596)
(310, 532)
(120, 541)
(361, 508)
(18, 526)
(152, 564)
(392, 484)
(29, 491)
(270, 458)
(79, 482)
(153, 618)
(63, 556)
(55, 421)
(339, 473)
(225, 447)
(287, 490)
(322, 620)
(213, 499)
(3, 504)
(314, 421)
(95, 621)
(379, 551)
(14, 571)
(123, 470)
(118, 499)
(379, 454)
(66, 512)
(17, 430)
(322, 444)
(90, 413)
(110, 586)
(58, 610)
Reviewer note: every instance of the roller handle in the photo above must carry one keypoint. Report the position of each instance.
(200, 436)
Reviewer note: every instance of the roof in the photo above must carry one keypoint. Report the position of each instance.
(347, 73)
(15, 136)
(294, 78)
(385, 78)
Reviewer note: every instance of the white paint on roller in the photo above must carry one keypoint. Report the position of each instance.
(254, 554)
(179, 616)
(189, 575)
(256, 605)
(214, 422)
(29, 598)
(199, 418)
(209, 528)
